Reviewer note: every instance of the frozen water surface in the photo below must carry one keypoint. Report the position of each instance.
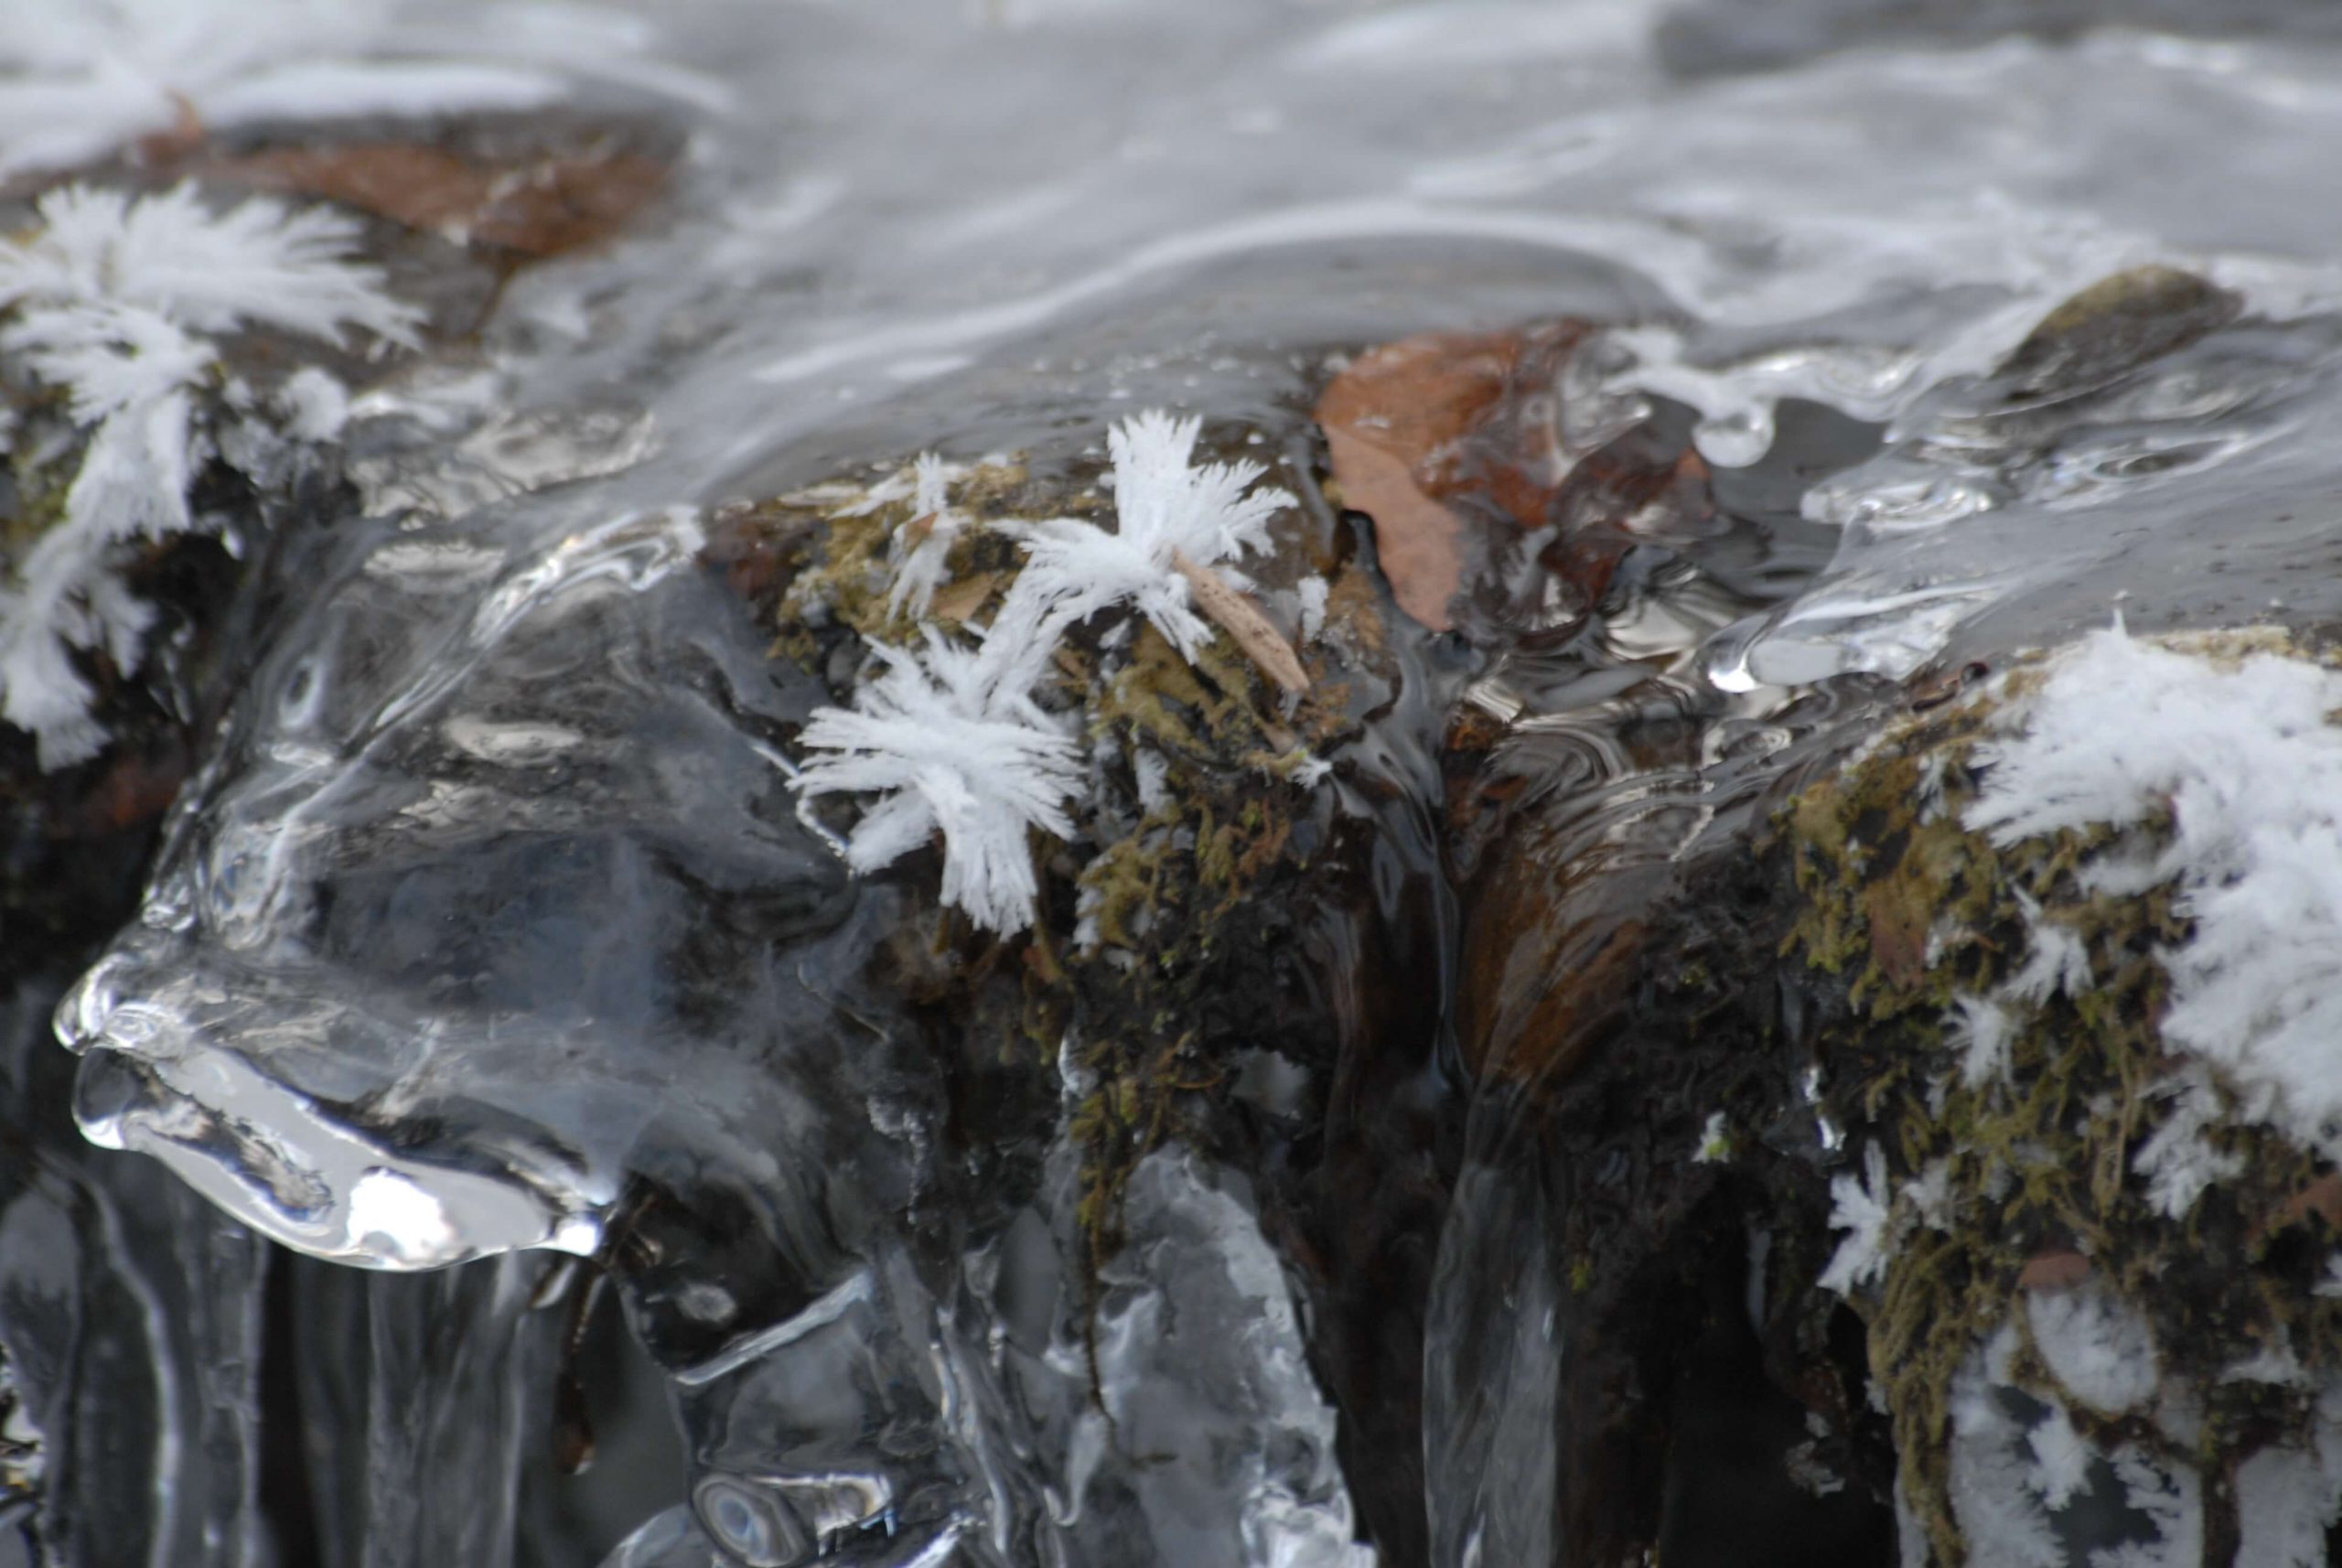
(490, 923)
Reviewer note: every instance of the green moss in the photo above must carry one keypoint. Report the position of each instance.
(1900, 910)
(1188, 896)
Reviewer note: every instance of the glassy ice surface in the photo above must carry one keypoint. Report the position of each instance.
(490, 929)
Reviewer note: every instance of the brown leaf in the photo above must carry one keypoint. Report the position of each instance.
(2059, 1269)
(958, 601)
(2321, 1198)
(1414, 424)
(537, 206)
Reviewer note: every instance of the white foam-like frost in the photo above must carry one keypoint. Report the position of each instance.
(2241, 751)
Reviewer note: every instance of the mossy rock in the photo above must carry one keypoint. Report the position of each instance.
(2016, 1165)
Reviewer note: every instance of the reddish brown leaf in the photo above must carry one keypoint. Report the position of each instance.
(1414, 425)
(2321, 1198)
(2061, 1269)
(536, 205)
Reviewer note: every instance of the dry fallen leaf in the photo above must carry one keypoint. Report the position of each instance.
(1415, 423)
(956, 601)
(537, 205)
(2052, 1270)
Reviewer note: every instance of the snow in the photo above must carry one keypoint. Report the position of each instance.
(951, 747)
(2238, 747)
(1163, 507)
(116, 302)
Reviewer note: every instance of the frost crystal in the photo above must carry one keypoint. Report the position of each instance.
(951, 745)
(1983, 1032)
(2241, 753)
(2179, 1161)
(113, 302)
(2059, 962)
(2097, 1347)
(920, 560)
(1862, 1207)
(2061, 1459)
(1164, 508)
(92, 74)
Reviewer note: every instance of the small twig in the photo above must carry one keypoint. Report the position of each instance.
(1242, 621)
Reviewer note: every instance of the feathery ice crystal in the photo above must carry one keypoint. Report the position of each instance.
(79, 77)
(920, 563)
(2240, 749)
(114, 303)
(950, 735)
(953, 742)
(1165, 509)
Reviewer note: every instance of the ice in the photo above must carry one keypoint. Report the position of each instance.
(488, 936)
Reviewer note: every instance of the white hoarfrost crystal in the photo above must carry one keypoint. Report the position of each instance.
(257, 264)
(1993, 1474)
(1864, 1208)
(2178, 1161)
(1983, 1031)
(114, 302)
(2239, 750)
(2097, 1347)
(951, 744)
(1164, 508)
(2057, 961)
(919, 560)
(2061, 1459)
(79, 77)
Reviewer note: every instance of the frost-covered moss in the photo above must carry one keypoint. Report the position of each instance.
(1987, 1013)
(1171, 921)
